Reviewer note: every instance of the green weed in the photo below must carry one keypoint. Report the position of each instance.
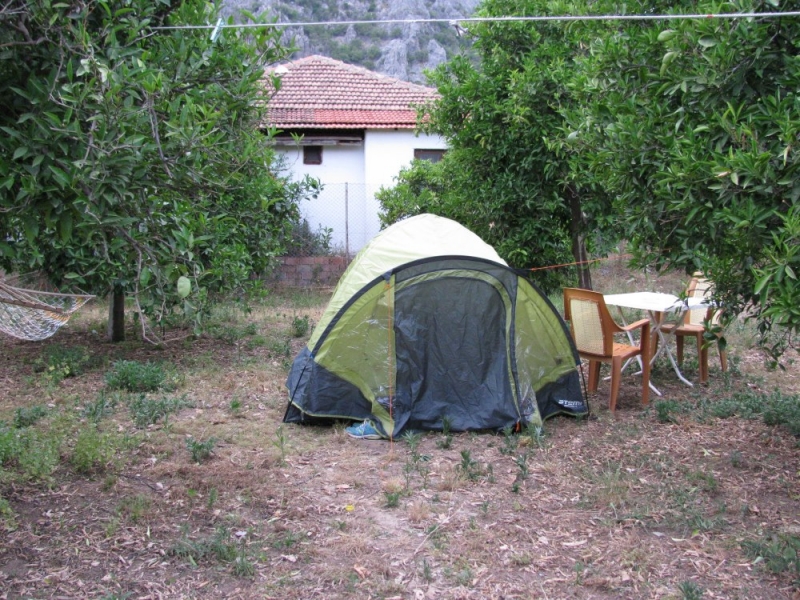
(447, 440)
(300, 326)
(690, 590)
(665, 409)
(59, 362)
(147, 411)
(135, 376)
(392, 499)
(26, 416)
(8, 517)
(510, 442)
(218, 547)
(93, 451)
(135, 508)
(468, 467)
(102, 407)
(280, 443)
(200, 450)
(776, 409)
(780, 553)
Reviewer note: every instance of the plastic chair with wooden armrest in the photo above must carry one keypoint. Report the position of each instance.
(693, 325)
(593, 330)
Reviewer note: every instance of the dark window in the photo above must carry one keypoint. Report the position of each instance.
(431, 155)
(312, 155)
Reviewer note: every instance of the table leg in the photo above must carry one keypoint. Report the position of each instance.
(658, 319)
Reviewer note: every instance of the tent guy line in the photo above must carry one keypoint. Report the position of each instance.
(466, 20)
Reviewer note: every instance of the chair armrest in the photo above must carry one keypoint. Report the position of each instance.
(636, 325)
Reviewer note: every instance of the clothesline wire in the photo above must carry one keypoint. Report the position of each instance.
(467, 20)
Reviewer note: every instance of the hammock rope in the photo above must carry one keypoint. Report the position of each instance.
(33, 315)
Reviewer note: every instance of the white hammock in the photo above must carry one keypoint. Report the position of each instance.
(33, 315)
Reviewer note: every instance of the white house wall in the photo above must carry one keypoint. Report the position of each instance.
(351, 176)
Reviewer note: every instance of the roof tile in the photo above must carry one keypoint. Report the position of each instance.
(320, 92)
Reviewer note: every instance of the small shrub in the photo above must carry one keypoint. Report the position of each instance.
(447, 440)
(134, 376)
(103, 406)
(135, 508)
(510, 442)
(392, 499)
(780, 553)
(200, 450)
(26, 416)
(93, 451)
(7, 516)
(59, 362)
(147, 411)
(282, 347)
(665, 409)
(690, 590)
(37, 455)
(300, 326)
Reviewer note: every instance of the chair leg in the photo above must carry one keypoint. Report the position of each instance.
(679, 345)
(594, 375)
(702, 358)
(616, 375)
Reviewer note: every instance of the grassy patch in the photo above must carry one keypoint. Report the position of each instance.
(135, 376)
(148, 411)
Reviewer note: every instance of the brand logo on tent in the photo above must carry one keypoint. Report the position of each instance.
(570, 403)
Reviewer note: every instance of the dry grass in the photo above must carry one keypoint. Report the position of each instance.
(616, 506)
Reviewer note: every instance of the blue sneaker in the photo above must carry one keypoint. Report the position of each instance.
(363, 431)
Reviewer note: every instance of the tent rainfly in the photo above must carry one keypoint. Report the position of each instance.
(428, 323)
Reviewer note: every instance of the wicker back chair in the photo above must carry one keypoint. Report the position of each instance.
(593, 330)
(693, 325)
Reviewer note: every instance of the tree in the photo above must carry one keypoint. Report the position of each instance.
(132, 155)
(693, 126)
(508, 178)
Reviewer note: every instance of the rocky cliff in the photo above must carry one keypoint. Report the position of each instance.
(402, 50)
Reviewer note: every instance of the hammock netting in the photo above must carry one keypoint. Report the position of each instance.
(34, 315)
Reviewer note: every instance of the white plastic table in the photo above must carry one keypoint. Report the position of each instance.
(656, 304)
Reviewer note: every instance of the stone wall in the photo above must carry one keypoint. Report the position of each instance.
(308, 271)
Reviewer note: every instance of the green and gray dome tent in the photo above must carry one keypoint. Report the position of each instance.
(427, 323)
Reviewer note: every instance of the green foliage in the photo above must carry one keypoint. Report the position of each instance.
(280, 442)
(692, 127)
(133, 157)
(59, 362)
(147, 411)
(779, 551)
(690, 590)
(505, 176)
(93, 451)
(300, 326)
(302, 241)
(135, 508)
(447, 437)
(392, 499)
(218, 547)
(102, 407)
(25, 416)
(776, 409)
(8, 518)
(135, 376)
(200, 450)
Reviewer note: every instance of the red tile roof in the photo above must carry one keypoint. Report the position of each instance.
(320, 92)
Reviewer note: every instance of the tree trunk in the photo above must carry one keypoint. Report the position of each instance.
(577, 229)
(116, 314)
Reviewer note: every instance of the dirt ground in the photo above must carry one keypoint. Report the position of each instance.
(629, 505)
